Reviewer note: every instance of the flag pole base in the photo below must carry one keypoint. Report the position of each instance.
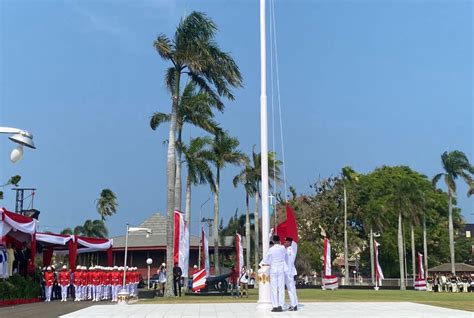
(264, 289)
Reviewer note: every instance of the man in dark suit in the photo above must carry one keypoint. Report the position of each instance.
(177, 273)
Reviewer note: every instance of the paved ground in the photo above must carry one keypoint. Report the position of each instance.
(244, 310)
(44, 310)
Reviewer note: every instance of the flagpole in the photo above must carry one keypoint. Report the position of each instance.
(264, 288)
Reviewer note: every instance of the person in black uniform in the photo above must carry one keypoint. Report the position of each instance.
(177, 273)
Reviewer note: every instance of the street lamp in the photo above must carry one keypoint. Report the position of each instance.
(22, 138)
(123, 294)
(149, 261)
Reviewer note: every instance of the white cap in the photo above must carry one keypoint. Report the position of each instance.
(115, 267)
(49, 268)
(78, 267)
(163, 264)
(195, 266)
(64, 267)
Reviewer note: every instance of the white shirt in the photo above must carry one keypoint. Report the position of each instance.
(277, 258)
(291, 251)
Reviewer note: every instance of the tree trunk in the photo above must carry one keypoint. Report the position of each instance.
(171, 178)
(215, 232)
(187, 218)
(256, 232)
(346, 252)
(177, 189)
(413, 255)
(372, 263)
(247, 230)
(451, 233)
(400, 253)
(425, 246)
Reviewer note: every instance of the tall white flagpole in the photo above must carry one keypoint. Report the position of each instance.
(264, 288)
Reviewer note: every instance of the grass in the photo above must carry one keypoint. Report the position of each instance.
(462, 301)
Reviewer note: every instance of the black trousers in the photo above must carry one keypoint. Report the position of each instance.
(177, 287)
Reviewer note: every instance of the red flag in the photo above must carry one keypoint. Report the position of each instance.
(288, 228)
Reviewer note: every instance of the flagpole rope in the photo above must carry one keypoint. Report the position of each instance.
(274, 43)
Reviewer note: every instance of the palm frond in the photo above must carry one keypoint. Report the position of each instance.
(158, 118)
(164, 47)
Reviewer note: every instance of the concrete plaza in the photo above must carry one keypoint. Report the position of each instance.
(244, 310)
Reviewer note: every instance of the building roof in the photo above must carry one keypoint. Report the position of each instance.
(157, 223)
(446, 267)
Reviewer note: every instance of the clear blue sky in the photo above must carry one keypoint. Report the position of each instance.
(363, 83)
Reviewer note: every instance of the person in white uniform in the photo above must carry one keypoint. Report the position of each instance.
(277, 259)
(291, 249)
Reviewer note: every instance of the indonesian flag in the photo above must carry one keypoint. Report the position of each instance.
(205, 252)
(288, 228)
(378, 270)
(327, 257)
(420, 282)
(181, 243)
(239, 253)
(199, 280)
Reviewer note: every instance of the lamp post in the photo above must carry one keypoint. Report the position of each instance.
(149, 261)
(200, 213)
(22, 138)
(123, 294)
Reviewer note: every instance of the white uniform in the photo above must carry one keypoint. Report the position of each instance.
(289, 278)
(277, 258)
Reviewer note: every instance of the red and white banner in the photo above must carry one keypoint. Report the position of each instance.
(378, 270)
(239, 253)
(56, 239)
(181, 243)
(420, 282)
(17, 222)
(329, 281)
(199, 280)
(205, 253)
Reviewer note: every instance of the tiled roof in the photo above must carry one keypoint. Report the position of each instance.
(446, 267)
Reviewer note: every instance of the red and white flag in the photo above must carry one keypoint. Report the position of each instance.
(420, 282)
(289, 228)
(181, 243)
(239, 250)
(199, 280)
(205, 253)
(378, 270)
(329, 281)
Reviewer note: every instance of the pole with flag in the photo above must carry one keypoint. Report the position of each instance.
(181, 243)
(378, 270)
(239, 253)
(420, 282)
(329, 281)
(205, 253)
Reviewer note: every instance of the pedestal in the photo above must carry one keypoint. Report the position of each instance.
(122, 297)
(264, 289)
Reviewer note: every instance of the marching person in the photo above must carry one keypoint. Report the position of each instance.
(177, 273)
(277, 259)
(290, 276)
(48, 281)
(115, 281)
(64, 282)
(77, 283)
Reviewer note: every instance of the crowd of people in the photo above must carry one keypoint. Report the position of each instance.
(441, 282)
(14, 260)
(96, 283)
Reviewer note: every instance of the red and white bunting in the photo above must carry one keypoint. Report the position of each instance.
(181, 243)
(199, 280)
(420, 282)
(239, 253)
(329, 281)
(378, 270)
(205, 253)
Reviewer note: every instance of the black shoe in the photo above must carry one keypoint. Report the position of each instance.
(294, 308)
(279, 309)
(275, 309)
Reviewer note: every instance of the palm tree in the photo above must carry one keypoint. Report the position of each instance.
(247, 178)
(92, 228)
(192, 52)
(224, 150)
(195, 108)
(106, 204)
(455, 164)
(349, 176)
(274, 174)
(66, 231)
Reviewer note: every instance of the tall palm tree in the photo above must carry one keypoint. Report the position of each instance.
(455, 164)
(246, 178)
(106, 204)
(274, 175)
(194, 53)
(349, 176)
(92, 228)
(225, 151)
(195, 108)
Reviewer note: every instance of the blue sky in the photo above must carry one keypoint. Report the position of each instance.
(363, 83)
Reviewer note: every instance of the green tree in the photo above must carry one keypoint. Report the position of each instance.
(349, 177)
(455, 165)
(12, 181)
(106, 204)
(194, 53)
(92, 228)
(224, 151)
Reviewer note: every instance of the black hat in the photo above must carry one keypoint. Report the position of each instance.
(271, 243)
(276, 238)
(288, 239)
